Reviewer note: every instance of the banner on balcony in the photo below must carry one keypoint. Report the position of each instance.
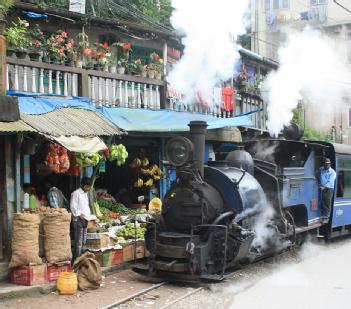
(77, 6)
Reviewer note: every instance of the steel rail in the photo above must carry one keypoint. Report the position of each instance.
(181, 298)
(123, 300)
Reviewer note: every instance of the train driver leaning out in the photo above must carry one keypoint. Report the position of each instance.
(327, 183)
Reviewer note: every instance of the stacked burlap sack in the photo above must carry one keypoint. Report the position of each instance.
(25, 240)
(42, 232)
(57, 241)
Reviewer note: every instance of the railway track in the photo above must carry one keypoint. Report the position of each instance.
(155, 288)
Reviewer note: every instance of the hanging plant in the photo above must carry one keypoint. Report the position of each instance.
(87, 159)
(117, 153)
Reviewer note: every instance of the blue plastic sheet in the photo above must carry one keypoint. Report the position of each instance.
(34, 15)
(129, 119)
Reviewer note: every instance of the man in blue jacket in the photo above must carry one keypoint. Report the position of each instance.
(327, 184)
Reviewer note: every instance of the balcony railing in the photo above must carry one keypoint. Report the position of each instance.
(116, 90)
(105, 89)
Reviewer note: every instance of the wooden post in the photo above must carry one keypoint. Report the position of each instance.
(2, 65)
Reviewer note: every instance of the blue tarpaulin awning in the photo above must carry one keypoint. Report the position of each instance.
(131, 119)
(166, 120)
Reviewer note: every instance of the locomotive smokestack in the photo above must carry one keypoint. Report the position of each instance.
(197, 135)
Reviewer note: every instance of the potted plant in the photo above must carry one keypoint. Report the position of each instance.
(4, 8)
(112, 63)
(82, 49)
(57, 47)
(151, 70)
(144, 71)
(37, 44)
(157, 65)
(71, 55)
(132, 68)
(100, 55)
(138, 67)
(18, 38)
(121, 65)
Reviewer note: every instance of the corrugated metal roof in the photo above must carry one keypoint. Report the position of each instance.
(15, 126)
(71, 121)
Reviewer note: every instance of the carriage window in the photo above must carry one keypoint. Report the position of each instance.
(344, 178)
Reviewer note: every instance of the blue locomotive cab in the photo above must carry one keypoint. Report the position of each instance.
(341, 212)
(289, 172)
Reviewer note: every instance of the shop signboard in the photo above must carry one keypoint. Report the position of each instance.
(77, 6)
(102, 166)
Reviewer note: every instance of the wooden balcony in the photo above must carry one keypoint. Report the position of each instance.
(116, 90)
(105, 89)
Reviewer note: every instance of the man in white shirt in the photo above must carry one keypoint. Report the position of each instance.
(81, 212)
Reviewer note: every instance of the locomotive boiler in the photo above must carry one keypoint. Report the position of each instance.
(208, 215)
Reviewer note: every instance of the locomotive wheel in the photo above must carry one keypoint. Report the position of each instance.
(290, 227)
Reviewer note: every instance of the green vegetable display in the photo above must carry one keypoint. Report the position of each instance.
(119, 208)
(118, 153)
(105, 218)
(129, 231)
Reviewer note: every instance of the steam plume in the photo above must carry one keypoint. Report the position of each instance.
(210, 52)
(311, 68)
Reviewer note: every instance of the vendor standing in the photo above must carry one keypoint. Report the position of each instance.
(81, 212)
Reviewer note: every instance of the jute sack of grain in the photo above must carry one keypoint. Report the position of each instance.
(89, 272)
(25, 240)
(57, 236)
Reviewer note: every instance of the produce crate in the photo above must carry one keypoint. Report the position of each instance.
(128, 250)
(117, 257)
(53, 270)
(104, 258)
(29, 275)
(97, 241)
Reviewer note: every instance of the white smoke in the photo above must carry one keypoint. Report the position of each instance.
(311, 67)
(210, 28)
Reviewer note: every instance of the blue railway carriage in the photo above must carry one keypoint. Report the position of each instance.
(288, 172)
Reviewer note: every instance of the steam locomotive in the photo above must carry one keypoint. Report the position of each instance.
(263, 198)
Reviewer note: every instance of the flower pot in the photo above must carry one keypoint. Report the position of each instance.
(10, 52)
(151, 74)
(21, 54)
(144, 74)
(88, 66)
(158, 76)
(79, 64)
(105, 67)
(69, 63)
(121, 70)
(34, 56)
(97, 67)
(45, 58)
(113, 69)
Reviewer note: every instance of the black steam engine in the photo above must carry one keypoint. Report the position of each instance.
(208, 214)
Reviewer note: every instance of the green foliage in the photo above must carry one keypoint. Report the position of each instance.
(62, 4)
(17, 35)
(5, 5)
(309, 133)
(149, 8)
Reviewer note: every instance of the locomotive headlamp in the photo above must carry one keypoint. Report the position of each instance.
(179, 151)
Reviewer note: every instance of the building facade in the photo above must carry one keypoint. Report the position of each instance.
(270, 18)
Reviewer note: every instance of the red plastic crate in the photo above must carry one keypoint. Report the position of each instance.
(117, 257)
(53, 271)
(29, 275)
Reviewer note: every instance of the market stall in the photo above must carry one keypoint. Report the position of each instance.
(117, 234)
